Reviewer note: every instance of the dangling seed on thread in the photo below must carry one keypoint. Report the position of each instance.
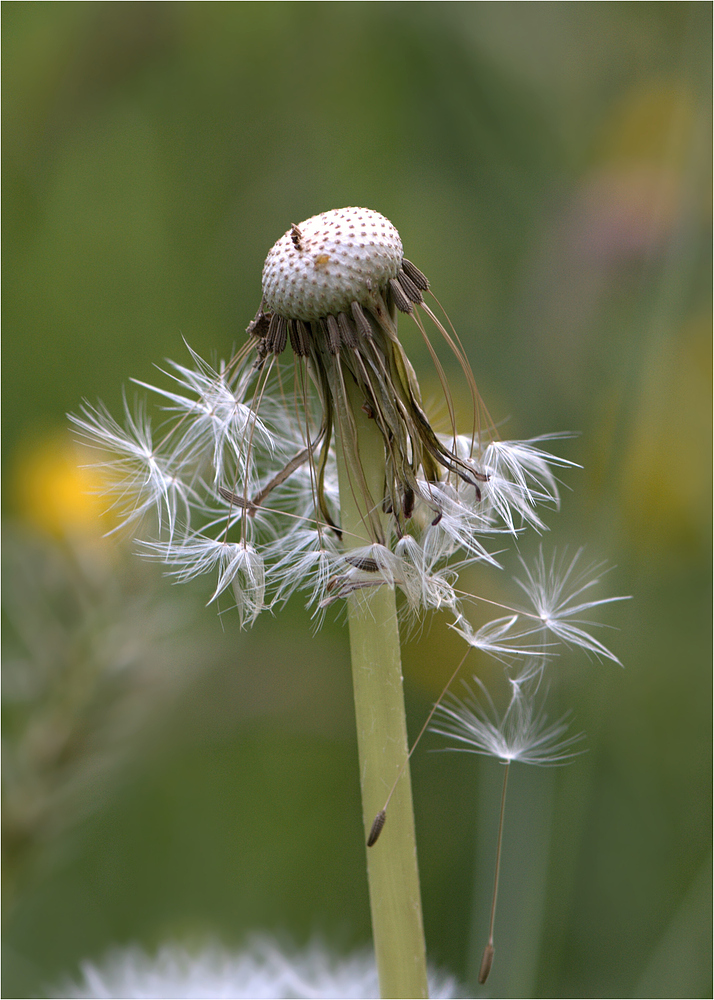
(486, 963)
(377, 826)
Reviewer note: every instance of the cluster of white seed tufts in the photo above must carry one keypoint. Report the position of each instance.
(319, 267)
(242, 477)
(263, 969)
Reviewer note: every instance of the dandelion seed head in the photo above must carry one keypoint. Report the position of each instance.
(240, 469)
(321, 266)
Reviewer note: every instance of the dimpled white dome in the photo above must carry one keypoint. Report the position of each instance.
(329, 261)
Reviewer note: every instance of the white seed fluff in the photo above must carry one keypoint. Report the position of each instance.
(321, 266)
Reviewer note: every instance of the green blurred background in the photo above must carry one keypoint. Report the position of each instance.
(548, 167)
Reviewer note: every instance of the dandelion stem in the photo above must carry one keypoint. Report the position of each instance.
(381, 723)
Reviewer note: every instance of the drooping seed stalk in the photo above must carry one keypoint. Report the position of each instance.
(381, 727)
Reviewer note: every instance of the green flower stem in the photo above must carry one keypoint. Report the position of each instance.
(381, 727)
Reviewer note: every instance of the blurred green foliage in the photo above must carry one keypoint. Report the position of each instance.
(548, 167)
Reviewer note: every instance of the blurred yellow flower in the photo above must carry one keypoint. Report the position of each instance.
(666, 473)
(55, 492)
(653, 122)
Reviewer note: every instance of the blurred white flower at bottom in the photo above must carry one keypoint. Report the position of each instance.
(262, 970)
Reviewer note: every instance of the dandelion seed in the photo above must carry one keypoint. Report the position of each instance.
(215, 419)
(554, 591)
(522, 734)
(377, 826)
(500, 638)
(239, 565)
(140, 479)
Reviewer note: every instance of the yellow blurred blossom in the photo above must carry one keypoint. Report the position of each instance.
(55, 492)
(666, 472)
